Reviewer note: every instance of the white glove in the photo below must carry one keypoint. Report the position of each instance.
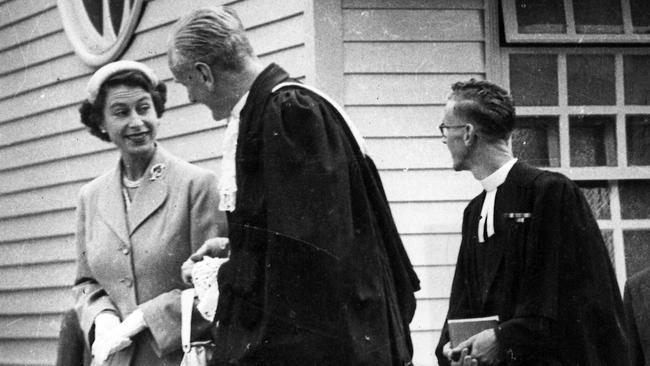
(115, 337)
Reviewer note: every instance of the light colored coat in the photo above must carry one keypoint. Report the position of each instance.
(124, 263)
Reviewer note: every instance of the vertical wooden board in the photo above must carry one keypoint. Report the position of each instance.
(429, 185)
(412, 25)
(424, 347)
(432, 249)
(397, 121)
(28, 352)
(35, 276)
(414, 57)
(413, 4)
(435, 281)
(30, 326)
(30, 251)
(430, 314)
(50, 301)
(428, 217)
(377, 89)
(39, 50)
(38, 226)
(409, 153)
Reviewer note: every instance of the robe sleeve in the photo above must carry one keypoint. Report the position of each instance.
(163, 313)
(636, 349)
(90, 298)
(306, 171)
(567, 280)
(460, 301)
(312, 263)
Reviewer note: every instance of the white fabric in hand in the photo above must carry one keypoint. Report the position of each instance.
(204, 278)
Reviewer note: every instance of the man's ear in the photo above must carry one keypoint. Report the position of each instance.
(205, 73)
(469, 135)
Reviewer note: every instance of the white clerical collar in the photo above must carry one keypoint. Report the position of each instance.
(490, 184)
(228, 180)
(497, 178)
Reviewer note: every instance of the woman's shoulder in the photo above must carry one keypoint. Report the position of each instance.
(183, 171)
(97, 183)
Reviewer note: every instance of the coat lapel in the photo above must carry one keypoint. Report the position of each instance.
(111, 205)
(152, 193)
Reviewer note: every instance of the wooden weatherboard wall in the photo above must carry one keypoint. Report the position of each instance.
(46, 155)
(400, 59)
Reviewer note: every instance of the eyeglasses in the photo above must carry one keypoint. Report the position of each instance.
(443, 126)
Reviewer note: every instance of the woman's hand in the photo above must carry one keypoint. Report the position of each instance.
(114, 337)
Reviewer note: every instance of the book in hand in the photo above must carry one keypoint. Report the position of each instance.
(462, 329)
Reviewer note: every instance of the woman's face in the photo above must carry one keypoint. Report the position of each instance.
(130, 120)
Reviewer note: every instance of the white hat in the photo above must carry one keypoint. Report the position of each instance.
(106, 71)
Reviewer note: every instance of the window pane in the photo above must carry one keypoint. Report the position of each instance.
(597, 195)
(592, 140)
(640, 15)
(535, 141)
(637, 79)
(608, 237)
(537, 70)
(590, 80)
(95, 12)
(635, 199)
(638, 140)
(598, 16)
(540, 16)
(637, 250)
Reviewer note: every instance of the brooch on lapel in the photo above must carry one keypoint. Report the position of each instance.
(518, 217)
(157, 171)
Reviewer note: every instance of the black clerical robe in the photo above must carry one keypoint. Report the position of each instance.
(547, 275)
(317, 274)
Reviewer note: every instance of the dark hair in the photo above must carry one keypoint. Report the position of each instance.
(487, 105)
(92, 114)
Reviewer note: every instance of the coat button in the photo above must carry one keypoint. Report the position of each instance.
(125, 250)
(127, 282)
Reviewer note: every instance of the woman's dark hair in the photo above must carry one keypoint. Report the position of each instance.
(92, 114)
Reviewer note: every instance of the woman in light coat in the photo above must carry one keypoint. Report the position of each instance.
(136, 224)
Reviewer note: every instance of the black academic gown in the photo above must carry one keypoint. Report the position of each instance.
(548, 277)
(317, 274)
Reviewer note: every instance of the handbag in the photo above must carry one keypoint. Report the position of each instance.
(198, 353)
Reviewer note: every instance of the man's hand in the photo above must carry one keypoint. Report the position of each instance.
(482, 347)
(214, 247)
(218, 247)
(460, 358)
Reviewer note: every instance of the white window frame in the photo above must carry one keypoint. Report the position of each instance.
(612, 174)
(513, 36)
